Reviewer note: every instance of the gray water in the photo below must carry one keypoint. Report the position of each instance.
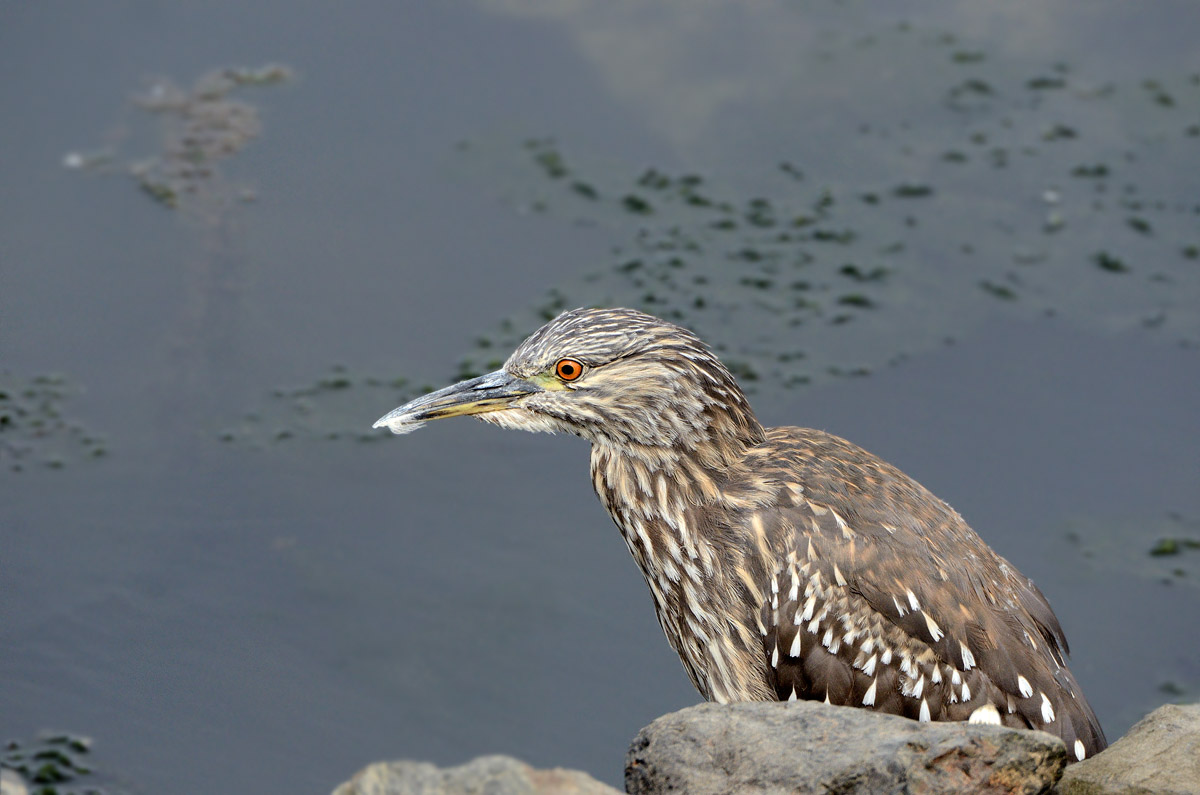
(211, 566)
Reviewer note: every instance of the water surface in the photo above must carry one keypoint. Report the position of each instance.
(962, 238)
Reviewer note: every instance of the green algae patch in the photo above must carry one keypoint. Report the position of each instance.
(57, 763)
(1164, 550)
(36, 429)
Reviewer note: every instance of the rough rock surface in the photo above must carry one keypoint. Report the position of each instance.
(11, 783)
(801, 746)
(485, 775)
(1160, 754)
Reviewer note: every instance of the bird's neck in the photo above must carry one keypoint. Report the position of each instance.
(667, 497)
(656, 478)
(666, 506)
(646, 481)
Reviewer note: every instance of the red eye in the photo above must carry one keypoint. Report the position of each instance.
(568, 369)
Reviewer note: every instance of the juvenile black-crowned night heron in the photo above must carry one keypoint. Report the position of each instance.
(785, 563)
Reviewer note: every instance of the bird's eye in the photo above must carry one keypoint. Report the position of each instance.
(568, 369)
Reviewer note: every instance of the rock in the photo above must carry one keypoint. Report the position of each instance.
(493, 775)
(11, 783)
(805, 746)
(1160, 754)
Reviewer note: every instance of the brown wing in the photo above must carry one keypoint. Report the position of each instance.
(888, 600)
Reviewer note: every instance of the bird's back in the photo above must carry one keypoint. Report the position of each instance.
(883, 597)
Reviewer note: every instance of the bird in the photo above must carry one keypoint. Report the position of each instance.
(784, 563)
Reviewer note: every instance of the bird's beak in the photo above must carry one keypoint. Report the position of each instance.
(492, 392)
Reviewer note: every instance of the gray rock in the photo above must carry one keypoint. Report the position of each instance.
(804, 746)
(1160, 754)
(11, 783)
(485, 775)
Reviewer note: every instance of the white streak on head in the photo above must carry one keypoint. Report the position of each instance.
(847, 533)
(985, 714)
(640, 529)
(717, 654)
(670, 569)
(1047, 709)
(661, 495)
(809, 605)
(869, 696)
(935, 631)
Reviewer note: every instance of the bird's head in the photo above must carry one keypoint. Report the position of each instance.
(616, 377)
